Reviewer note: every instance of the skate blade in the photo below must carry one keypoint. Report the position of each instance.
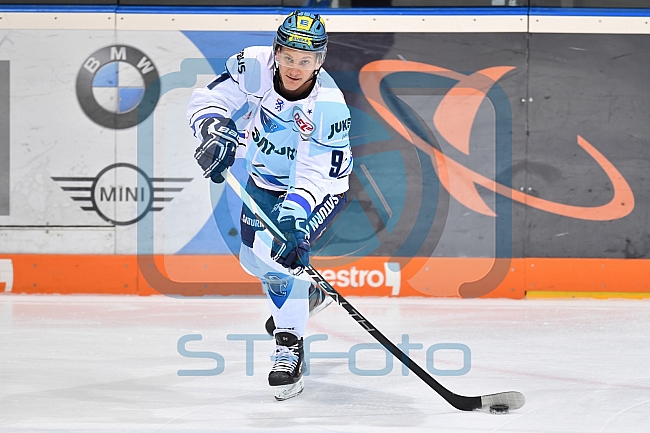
(284, 392)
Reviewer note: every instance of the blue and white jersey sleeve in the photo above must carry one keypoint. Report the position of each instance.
(228, 92)
(323, 159)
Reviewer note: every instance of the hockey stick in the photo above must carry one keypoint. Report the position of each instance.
(511, 399)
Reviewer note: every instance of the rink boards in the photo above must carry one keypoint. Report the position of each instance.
(496, 153)
(369, 276)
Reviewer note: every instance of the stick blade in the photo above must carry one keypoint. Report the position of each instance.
(513, 399)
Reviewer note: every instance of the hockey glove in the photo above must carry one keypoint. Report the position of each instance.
(217, 151)
(294, 252)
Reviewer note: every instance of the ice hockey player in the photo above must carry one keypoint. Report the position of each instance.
(293, 133)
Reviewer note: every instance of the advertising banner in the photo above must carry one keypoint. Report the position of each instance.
(475, 156)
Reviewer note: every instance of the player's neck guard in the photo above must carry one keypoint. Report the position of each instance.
(291, 96)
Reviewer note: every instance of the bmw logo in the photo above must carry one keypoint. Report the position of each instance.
(118, 86)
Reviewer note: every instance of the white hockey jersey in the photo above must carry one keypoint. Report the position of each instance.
(299, 146)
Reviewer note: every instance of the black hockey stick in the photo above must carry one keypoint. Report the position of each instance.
(511, 399)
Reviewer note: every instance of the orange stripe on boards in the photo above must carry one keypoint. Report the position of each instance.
(588, 275)
(205, 268)
(366, 276)
(444, 276)
(131, 275)
(197, 276)
(34, 273)
(535, 294)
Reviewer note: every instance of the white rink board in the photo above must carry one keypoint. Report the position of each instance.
(53, 138)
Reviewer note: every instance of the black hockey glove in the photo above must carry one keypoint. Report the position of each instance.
(217, 151)
(294, 252)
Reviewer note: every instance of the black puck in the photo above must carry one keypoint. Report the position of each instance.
(499, 408)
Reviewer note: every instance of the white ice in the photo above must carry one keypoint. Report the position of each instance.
(111, 364)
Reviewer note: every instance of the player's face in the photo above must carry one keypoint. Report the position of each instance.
(296, 67)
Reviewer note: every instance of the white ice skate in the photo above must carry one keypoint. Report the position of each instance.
(286, 375)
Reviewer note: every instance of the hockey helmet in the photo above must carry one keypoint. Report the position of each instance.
(303, 31)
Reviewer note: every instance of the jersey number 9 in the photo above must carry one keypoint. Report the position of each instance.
(337, 162)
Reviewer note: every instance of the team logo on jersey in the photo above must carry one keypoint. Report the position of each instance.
(269, 121)
(278, 287)
(121, 194)
(302, 123)
(118, 87)
(279, 104)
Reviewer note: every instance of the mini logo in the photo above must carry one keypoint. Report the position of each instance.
(113, 82)
(279, 104)
(121, 194)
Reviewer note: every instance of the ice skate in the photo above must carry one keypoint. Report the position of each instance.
(318, 301)
(286, 375)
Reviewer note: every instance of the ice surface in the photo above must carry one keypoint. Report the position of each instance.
(111, 364)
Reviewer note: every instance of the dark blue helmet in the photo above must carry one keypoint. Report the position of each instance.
(303, 31)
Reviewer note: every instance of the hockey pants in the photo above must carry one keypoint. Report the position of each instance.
(288, 295)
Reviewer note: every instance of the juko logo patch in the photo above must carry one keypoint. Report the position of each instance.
(340, 126)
